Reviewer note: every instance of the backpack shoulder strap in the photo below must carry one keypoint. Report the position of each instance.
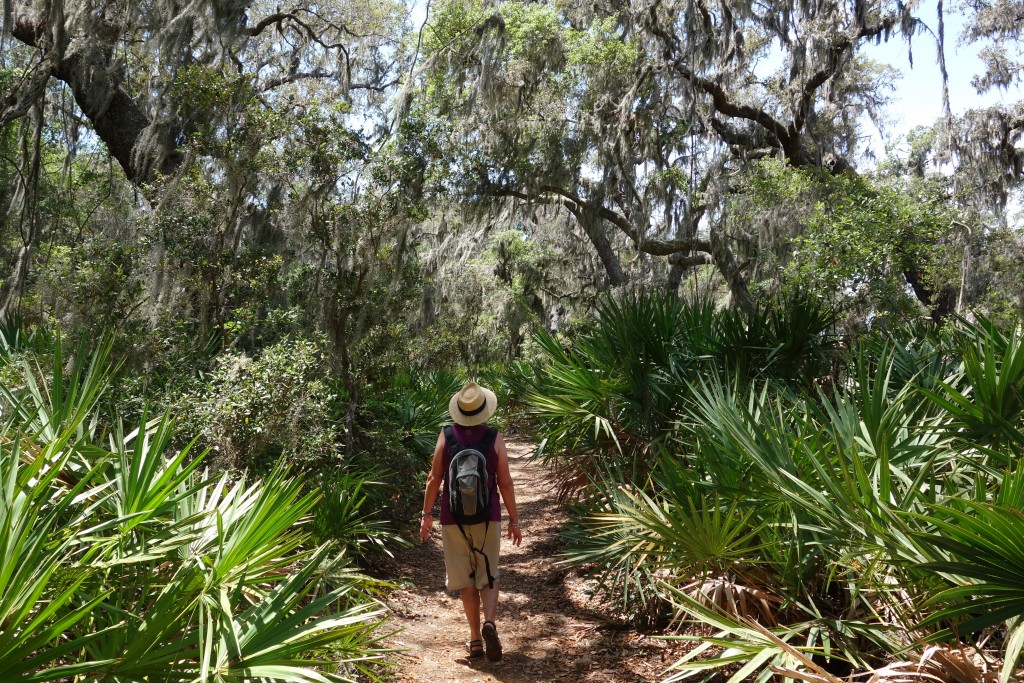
(449, 439)
(490, 436)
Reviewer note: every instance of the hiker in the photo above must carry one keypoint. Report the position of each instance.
(469, 452)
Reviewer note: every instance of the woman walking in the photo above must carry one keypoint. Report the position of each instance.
(471, 537)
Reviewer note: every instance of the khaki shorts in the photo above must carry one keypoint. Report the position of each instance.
(465, 567)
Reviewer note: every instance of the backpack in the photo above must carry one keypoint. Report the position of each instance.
(469, 488)
(467, 482)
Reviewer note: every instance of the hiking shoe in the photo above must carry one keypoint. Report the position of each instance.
(475, 648)
(493, 645)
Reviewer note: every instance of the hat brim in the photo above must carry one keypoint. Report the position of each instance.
(473, 420)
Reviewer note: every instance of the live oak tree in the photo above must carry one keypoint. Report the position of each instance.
(642, 121)
(259, 108)
(121, 60)
(299, 157)
(634, 118)
(246, 125)
(267, 206)
(984, 141)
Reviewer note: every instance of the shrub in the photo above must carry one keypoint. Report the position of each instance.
(253, 411)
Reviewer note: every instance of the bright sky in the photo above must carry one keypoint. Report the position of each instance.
(917, 100)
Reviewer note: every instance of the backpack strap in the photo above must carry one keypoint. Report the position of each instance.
(450, 441)
(452, 448)
(485, 445)
(487, 561)
(454, 445)
(490, 436)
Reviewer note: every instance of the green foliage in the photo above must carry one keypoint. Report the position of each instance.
(981, 542)
(980, 549)
(602, 46)
(349, 515)
(528, 26)
(985, 400)
(97, 282)
(836, 523)
(422, 408)
(856, 238)
(130, 561)
(52, 403)
(453, 20)
(863, 234)
(631, 537)
(620, 389)
(752, 651)
(543, 80)
(252, 411)
(282, 293)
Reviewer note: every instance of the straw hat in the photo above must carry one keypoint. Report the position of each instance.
(472, 405)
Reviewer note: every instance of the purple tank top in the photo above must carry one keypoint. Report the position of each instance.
(471, 436)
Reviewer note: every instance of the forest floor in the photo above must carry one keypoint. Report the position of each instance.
(551, 627)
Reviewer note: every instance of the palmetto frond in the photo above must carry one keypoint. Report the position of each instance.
(984, 402)
(135, 564)
(678, 532)
(936, 665)
(736, 599)
(423, 407)
(980, 549)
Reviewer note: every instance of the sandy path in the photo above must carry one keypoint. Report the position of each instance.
(547, 627)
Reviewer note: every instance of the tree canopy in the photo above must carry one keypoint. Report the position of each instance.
(337, 161)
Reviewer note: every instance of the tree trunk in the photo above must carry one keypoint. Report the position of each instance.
(24, 205)
(941, 301)
(732, 271)
(86, 65)
(679, 264)
(594, 227)
(14, 285)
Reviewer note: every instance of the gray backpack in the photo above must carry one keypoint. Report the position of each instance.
(467, 483)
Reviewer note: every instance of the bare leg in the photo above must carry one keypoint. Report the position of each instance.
(492, 644)
(471, 605)
(490, 599)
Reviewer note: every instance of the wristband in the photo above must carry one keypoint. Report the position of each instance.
(426, 514)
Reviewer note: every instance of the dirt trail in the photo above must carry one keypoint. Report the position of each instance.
(548, 628)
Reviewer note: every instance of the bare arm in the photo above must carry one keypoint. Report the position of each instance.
(433, 486)
(508, 491)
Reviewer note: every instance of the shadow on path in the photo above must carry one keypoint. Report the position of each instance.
(550, 629)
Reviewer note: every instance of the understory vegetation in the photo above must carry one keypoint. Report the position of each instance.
(126, 557)
(797, 502)
(821, 510)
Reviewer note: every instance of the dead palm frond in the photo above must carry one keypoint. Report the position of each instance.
(737, 599)
(937, 664)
